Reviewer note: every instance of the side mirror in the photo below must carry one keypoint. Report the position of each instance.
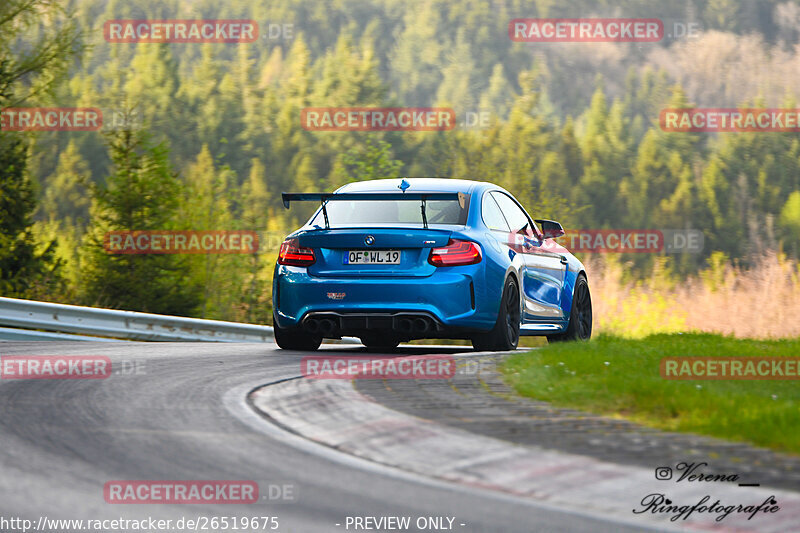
(550, 228)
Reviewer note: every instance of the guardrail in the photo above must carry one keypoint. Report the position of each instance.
(122, 324)
(16, 334)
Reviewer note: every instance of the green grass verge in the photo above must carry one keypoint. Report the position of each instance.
(620, 377)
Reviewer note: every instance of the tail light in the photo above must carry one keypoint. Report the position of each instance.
(456, 253)
(293, 255)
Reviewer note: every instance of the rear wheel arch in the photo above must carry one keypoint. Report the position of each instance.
(510, 274)
(579, 326)
(513, 275)
(505, 333)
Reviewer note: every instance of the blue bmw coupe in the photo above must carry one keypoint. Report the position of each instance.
(398, 259)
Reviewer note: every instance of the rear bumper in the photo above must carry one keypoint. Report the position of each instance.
(402, 324)
(447, 297)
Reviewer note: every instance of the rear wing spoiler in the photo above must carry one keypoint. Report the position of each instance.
(323, 198)
(289, 197)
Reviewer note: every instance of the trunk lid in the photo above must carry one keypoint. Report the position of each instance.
(332, 246)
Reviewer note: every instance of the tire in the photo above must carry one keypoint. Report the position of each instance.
(580, 316)
(505, 334)
(379, 342)
(295, 339)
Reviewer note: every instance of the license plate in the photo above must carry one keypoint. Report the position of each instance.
(372, 257)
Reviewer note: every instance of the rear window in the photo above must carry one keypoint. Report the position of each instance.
(392, 213)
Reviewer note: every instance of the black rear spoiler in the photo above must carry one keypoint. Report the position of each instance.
(324, 197)
(289, 197)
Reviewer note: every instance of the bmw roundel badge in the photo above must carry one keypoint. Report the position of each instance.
(369, 240)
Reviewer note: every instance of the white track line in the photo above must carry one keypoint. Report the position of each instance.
(333, 413)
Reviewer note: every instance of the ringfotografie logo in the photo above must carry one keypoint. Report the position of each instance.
(660, 503)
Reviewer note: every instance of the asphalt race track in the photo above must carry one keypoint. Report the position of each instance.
(178, 412)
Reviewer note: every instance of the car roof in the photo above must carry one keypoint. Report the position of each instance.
(416, 185)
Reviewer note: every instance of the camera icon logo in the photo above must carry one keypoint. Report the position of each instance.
(663, 473)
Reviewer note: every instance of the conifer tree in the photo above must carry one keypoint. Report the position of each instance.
(141, 193)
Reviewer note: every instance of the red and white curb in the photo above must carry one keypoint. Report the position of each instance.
(333, 413)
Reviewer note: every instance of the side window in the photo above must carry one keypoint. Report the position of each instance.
(492, 216)
(515, 216)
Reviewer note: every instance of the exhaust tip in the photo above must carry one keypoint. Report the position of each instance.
(312, 325)
(420, 325)
(326, 325)
(405, 325)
